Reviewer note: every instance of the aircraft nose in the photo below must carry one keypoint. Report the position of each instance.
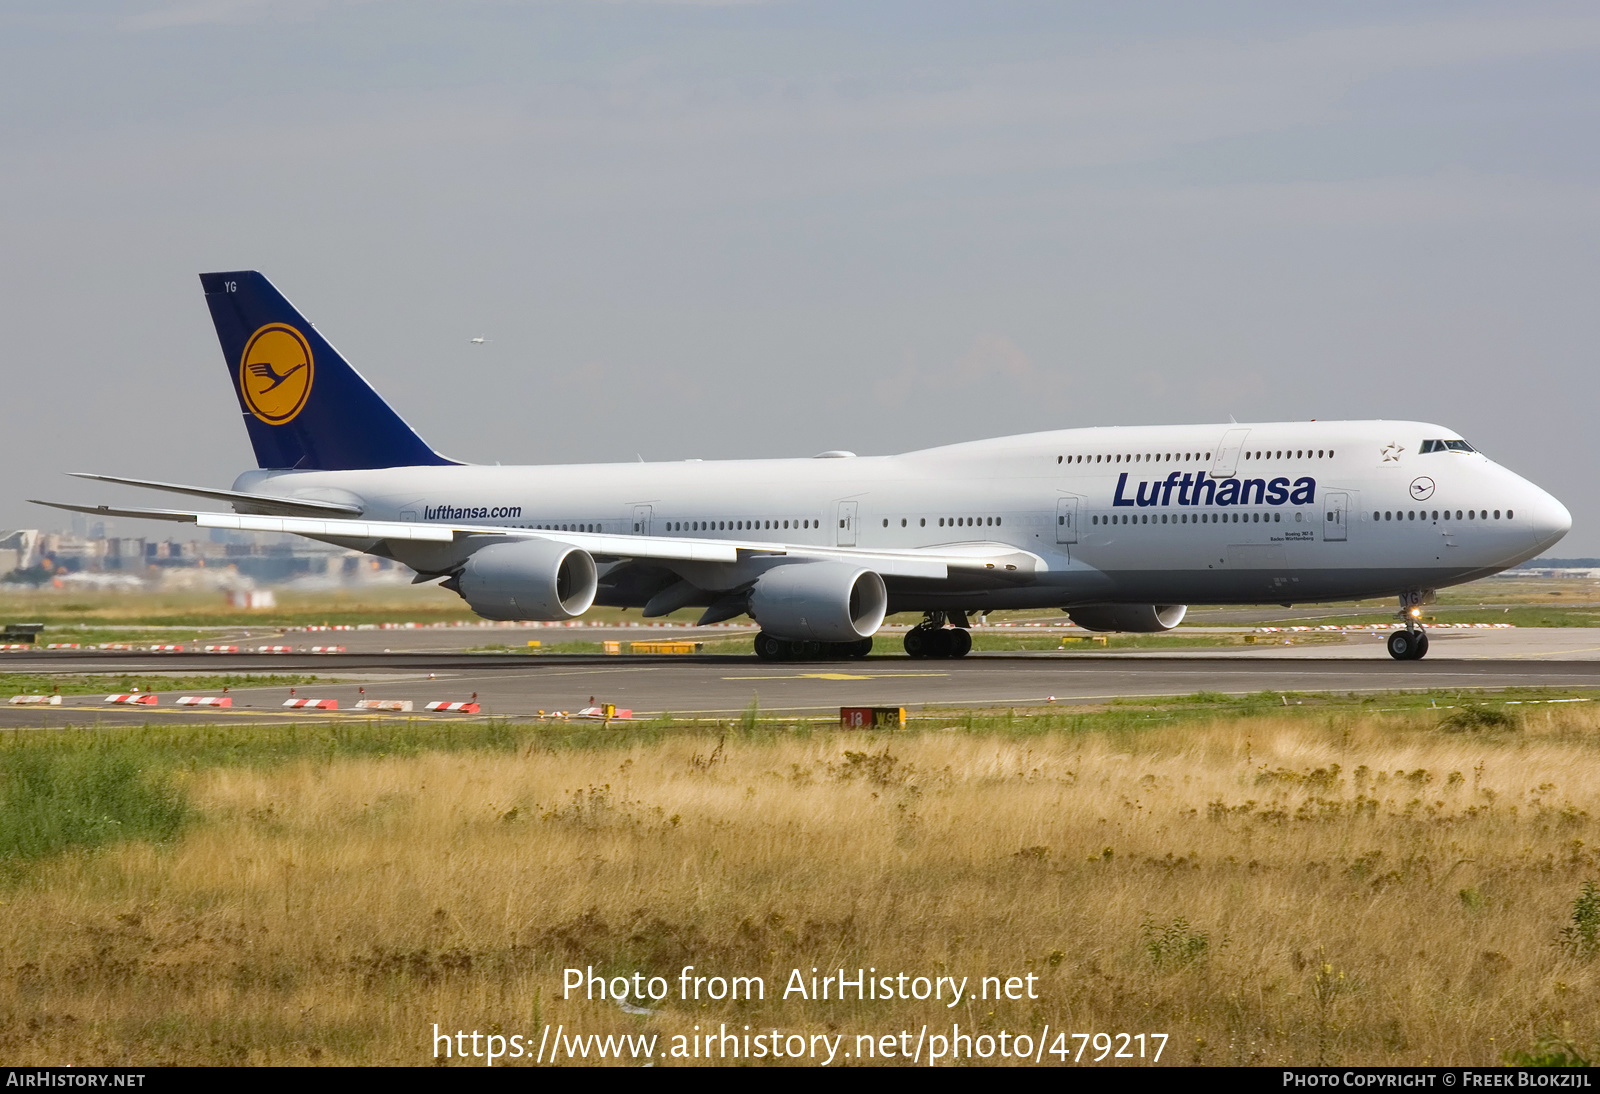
(1549, 520)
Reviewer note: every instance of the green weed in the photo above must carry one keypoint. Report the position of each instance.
(81, 792)
(1175, 945)
(1474, 717)
(1581, 937)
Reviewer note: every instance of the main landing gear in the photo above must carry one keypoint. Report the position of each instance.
(931, 638)
(1410, 644)
(769, 648)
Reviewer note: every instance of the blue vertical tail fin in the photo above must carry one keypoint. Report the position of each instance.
(304, 406)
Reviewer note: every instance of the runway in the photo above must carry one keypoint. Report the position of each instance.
(522, 685)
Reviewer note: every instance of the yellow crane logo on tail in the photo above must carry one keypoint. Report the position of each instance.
(275, 373)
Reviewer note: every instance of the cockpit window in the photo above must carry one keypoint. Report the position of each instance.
(1459, 446)
(1446, 446)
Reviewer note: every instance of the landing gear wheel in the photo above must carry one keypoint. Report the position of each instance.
(858, 649)
(919, 642)
(1408, 645)
(769, 648)
(960, 643)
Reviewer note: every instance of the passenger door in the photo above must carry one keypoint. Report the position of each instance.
(847, 524)
(1335, 516)
(1066, 520)
(641, 520)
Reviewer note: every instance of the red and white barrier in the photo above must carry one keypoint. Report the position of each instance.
(327, 649)
(116, 646)
(454, 708)
(402, 705)
(222, 649)
(615, 714)
(166, 649)
(136, 699)
(36, 700)
(205, 701)
(312, 704)
(16, 646)
(62, 646)
(274, 649)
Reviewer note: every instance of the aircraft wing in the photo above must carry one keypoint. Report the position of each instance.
(994, 559)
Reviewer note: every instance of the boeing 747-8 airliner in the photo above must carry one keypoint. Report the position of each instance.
(1119, 527)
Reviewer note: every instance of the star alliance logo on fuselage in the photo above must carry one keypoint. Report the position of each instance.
(1196, 489)
(275, 373)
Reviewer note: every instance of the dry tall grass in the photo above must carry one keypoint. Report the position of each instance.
(1354, 889)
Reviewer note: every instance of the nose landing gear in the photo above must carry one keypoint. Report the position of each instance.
(1410, 644)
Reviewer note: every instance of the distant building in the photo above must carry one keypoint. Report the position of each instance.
(18, 549)
(254, 558)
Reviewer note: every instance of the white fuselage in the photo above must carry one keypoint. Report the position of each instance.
(1278, 512)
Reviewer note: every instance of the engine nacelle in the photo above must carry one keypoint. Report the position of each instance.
(528, 579)
(1138, 618)
(819, 602)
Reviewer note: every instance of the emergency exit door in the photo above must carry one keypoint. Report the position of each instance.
(641, 520)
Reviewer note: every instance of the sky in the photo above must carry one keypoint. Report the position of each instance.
(773, 229)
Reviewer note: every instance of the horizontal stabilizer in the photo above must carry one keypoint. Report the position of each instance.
(299, 526)
(272, 503)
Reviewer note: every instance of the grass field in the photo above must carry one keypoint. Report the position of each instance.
(180, 616)
(39, 683)
(1276, 879)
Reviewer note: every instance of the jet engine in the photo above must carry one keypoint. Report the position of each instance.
(819, 602)
(1138, 618)
(527, 579)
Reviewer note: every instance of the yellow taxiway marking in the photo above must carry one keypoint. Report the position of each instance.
(837, 676)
